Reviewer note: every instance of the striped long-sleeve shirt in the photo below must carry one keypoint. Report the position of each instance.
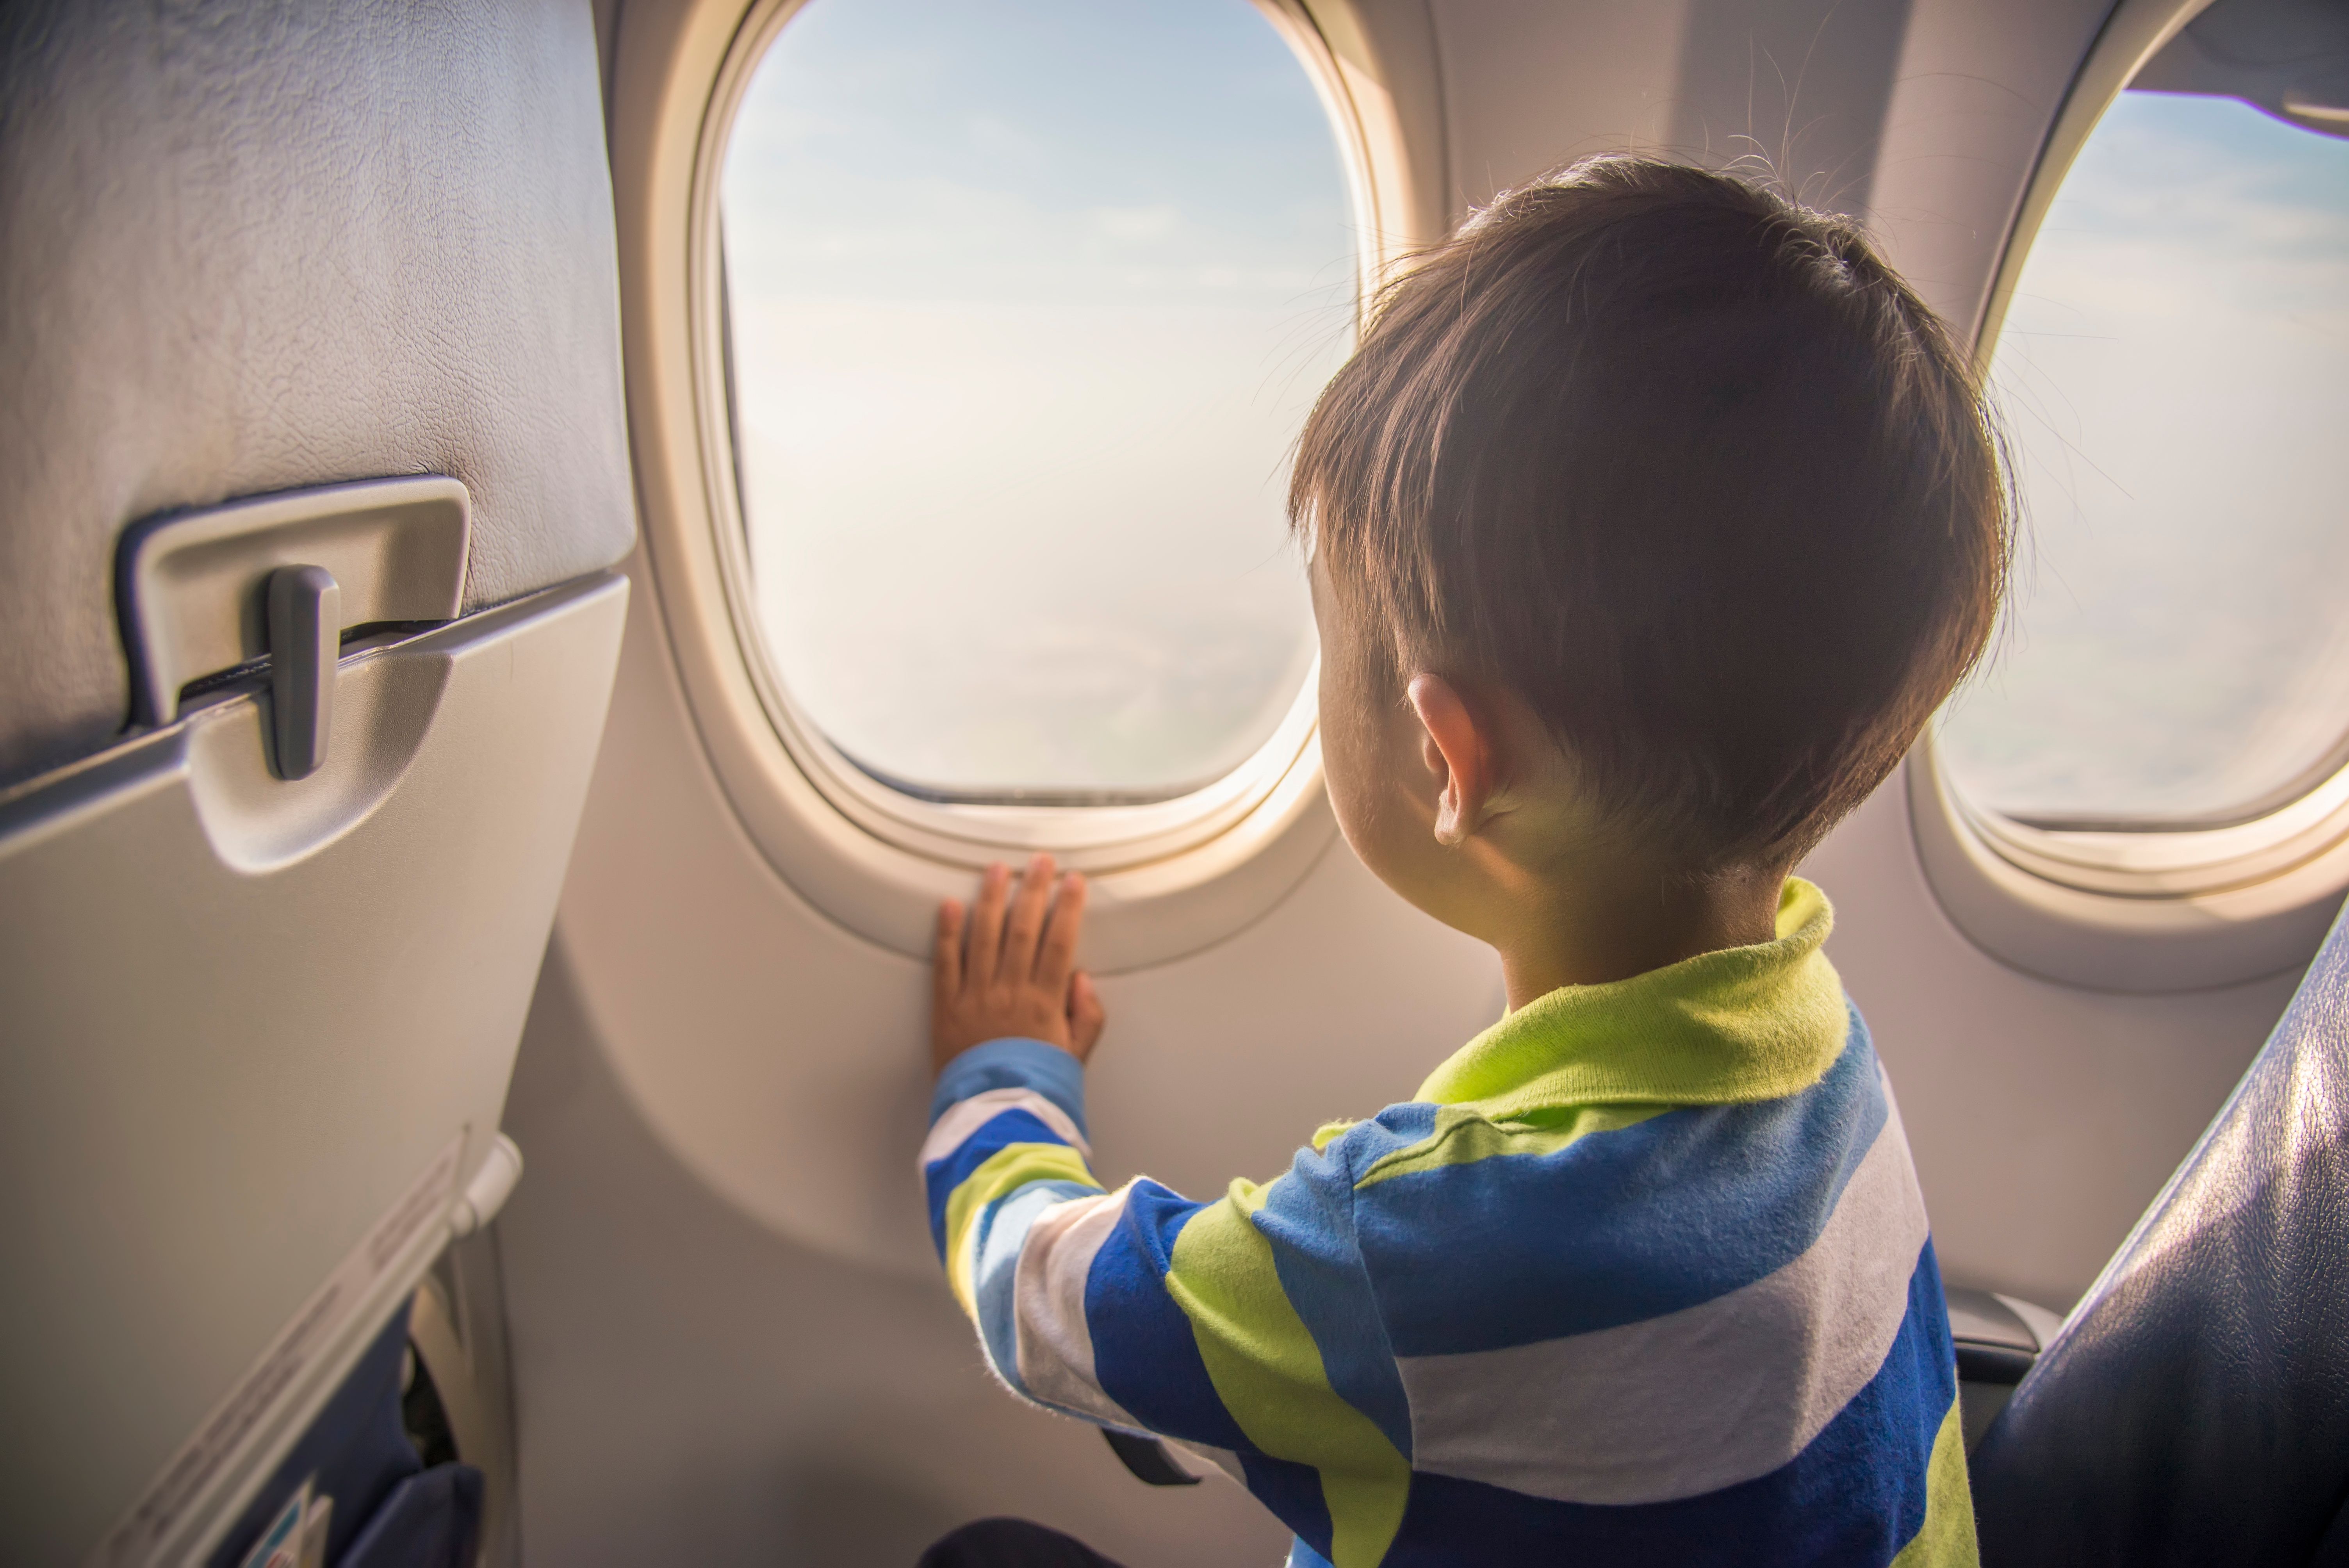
(1641, 1275)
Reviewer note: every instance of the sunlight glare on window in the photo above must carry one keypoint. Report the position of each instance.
(1028, 300)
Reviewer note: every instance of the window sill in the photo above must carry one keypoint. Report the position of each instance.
(2139, 912)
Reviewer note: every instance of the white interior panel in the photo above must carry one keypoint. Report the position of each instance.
(1529, 84)
(1979, 83)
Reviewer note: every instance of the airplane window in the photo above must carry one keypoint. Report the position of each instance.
(2170, 369)
(1027, 302)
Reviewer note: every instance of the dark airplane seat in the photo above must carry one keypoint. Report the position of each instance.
(313, 469)
(2195, 1406)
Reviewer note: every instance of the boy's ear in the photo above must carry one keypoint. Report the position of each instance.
(1457, 749)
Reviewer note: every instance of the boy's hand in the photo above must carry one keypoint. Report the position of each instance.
(1014, 973)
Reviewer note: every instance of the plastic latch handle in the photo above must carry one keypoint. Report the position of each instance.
(486, 1192)
(305, 624)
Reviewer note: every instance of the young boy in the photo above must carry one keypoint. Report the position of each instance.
(1649, 525)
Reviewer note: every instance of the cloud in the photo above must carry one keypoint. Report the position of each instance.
(1134, 224)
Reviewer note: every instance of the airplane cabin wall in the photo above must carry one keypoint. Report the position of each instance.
(729, 1341)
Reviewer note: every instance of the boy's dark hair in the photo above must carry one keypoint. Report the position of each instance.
(1691, 471)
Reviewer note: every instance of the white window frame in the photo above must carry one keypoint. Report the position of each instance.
(2147, 910)
(1169, 877)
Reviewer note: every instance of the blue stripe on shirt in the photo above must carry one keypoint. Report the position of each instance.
(1666, 1213)
(1151, 1365)
(998, 1132)
(1013, 1062)
(1309, 1217)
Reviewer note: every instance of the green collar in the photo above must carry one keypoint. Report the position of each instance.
(1740, 1025)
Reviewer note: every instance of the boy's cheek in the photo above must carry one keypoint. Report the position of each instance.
(1366, 802)
(1370, 773)
(1367, 784)
(1346, 756)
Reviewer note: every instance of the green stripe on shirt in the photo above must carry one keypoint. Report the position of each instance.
(1004, 1171)
(1267, 1371)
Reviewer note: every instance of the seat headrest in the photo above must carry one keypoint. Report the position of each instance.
(262, 247)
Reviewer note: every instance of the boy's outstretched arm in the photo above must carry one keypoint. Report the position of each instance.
(1139, 1308)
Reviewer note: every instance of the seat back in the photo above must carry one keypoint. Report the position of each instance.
(2194, 1408)
(313, 464)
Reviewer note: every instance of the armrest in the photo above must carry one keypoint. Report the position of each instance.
(1998, 1338)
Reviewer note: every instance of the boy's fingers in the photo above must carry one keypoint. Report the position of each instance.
(1027, 923)
(1058, 957)
(986, 924)
(946, 956)
(1086, 1015)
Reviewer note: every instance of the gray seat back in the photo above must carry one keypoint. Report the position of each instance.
(258, 247)
(317, 294)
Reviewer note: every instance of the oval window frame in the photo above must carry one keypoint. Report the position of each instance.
(2151, 909)
(1168, 877)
